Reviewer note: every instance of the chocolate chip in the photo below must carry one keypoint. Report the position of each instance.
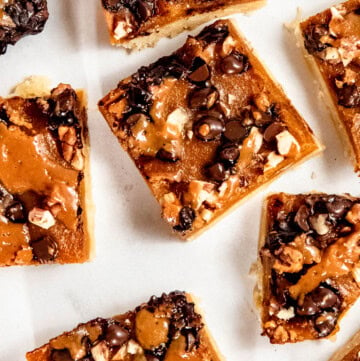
(357, 11)
(215, 33)
(216, 172)
(324, 297)
(15, 213)
(44, 249)
(235, 63)
(116, 335)
(308, 308)
(349, 96)
(203, 98)
(325, 323)
(235, 131)
(337, 206)
(208, 128)
(152, 358)
(272, 131)
(312, 35)
(167, 156)
(144, 10)
(112, 5)
(202, 73)
(186, 218)
(301, 217)
(60, 355)
(229, 154)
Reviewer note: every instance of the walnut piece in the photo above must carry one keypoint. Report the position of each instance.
(353, 216)
(289, 259)
(41, 218)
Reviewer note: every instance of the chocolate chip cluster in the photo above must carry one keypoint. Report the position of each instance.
(134, 334)
(329, 46)
(19, 18)
(297, 238)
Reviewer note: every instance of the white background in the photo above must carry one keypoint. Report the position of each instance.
(136, 256)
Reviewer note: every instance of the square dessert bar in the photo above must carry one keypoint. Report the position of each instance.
(19, 18)
(138, 24)
(309, 264)
(331, 42)
(206, 126)
(43, 178)
(167, 328)
(350, 352)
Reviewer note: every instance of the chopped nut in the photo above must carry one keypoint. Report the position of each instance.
(286, 142)
(134, 348)
(286, 313)
(356, 273)
(330, 54)
(41, 218)
(255, 139)
(67, 134)
(318, 223)
(77, 161)
(349, 49)
(281, 335)
(228, 46)
(122, 29)
(273, 160)
(100, 352)
(262, 102)
(289, 259)
(198, 192)
(176, 121)
(353, 216)
(206, 214)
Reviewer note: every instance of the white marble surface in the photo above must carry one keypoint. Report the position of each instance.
(136, 256)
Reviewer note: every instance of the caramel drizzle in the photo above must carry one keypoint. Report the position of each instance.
(337, 260)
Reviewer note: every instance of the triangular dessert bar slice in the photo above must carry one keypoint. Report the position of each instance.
(309, 264)
(331, 42)
(206, 127)
(44, 196)
(167, 328)
(139, 24)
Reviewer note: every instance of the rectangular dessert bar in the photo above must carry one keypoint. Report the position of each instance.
(138, 24)
(44, 194)
(350, 352)
(206, 126)
(167, 328)
(309, 264)
(331, 43)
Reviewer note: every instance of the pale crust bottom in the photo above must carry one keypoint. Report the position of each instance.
(327, 98)
(39, 86)
(343, 351)
(175, 28)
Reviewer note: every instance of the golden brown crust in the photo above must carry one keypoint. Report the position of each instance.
(350, 351)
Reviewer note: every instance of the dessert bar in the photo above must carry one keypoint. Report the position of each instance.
(19, 18)
(206, 126)
(138, 24)
(309, 270)
(44, 195)
(167, 328)
(331, 42)
(350, 352)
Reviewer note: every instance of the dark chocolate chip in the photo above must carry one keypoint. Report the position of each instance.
(152, 358)
(60, 355)
(324, 297)
(208, 128)
(144, 10)
(272, 131)
(229, 154)
(186, 218)
(203, 98)
(44, 249)
(308, 308)
(215, 33)
(112, 5)
(235, 131)
(15, 213)
(216, 172)
(349, 96)
(357, 11)
(235, 63)
(167, 156)
(325, 323)
(301, 217)
(116, 335)
(201, 74)
(312, 35)
(338, 206)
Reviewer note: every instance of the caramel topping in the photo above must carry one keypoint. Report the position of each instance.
(151, 329)
(337, 260)
(177, 352)
(28, 163)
